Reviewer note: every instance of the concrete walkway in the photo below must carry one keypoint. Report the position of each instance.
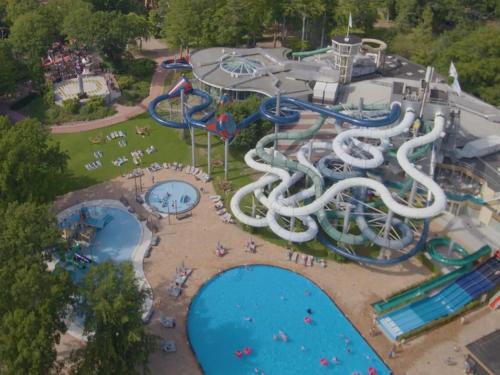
(153, 48)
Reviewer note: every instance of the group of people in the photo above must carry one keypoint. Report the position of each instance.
(220, 250)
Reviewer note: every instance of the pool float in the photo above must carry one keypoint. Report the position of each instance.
(238, 353)
(323, 361)
(308, 320)
(247, 350)
(372, 371)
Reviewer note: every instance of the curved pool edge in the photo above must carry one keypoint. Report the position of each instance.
(221, 271)
(152, 210)
(137, 259)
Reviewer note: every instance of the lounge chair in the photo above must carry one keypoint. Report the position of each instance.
(168, 346)
(219, 205)
(222, 211)
(309, 261)
(295, 257)
(174, 290)
(303, 259)
(167, 321)
(215, 197)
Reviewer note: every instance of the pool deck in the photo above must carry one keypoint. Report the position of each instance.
(193, 241)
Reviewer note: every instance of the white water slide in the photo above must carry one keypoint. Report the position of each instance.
(278, 202)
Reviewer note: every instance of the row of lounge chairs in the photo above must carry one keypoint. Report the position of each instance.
(175, 166)
(135, 173)
(121, 160)
(115, 134)
(181, 275)
(225, 216)
(122, 143)
(93, 165)
(98, 154)
(306, 260)
(197, 173)
(154, 167)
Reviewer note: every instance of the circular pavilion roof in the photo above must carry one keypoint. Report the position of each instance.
(240, 66)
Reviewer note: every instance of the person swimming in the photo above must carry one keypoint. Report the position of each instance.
(248, 318)
(309, 311)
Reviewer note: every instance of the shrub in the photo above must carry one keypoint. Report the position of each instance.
(94, 104)
(139, 68)
(71, 105)
(52, 114)
(125, 82)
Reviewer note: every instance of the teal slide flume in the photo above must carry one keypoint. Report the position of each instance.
(467, 258)
(419, 291)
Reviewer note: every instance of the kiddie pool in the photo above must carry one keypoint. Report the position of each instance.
(172, 197)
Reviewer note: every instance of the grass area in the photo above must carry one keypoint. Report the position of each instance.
(80, 149)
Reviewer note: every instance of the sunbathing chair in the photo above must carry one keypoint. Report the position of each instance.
(309, 261)
(295, 257)
(222, 211)
(168, 346)
(219, 205)
(167, 321)
(215, 197)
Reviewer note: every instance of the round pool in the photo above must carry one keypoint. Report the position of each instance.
(116, 234)
(172, 197)
(268, 320)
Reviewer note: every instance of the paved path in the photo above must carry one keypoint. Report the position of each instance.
(152, 48)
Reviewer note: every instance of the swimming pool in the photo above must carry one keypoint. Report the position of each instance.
(115, 241)
(172, 196)
(247, 307)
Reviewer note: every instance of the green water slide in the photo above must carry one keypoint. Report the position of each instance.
(311, 53)
(432, 249)
(419, 291)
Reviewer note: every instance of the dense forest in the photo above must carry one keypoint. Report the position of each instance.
(428, 32)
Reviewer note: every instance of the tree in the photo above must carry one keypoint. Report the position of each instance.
(122, 6)
(183, 23)
(250, 135)
(107, 32)
(33, 301)
(16, 8)
(30, 37)
(30, 164)
(112, 302)
(305, 9)
(9, 72)
(56, 12)
(364, 13)
(476, 54)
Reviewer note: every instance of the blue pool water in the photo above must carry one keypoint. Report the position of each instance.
(172, 196)
(246, 306)
(116, 241)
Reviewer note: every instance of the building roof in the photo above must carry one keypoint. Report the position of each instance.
(258, 70)
(485, 351)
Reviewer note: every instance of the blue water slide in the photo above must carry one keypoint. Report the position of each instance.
(447, 301)
(375, 261)
(288, 115)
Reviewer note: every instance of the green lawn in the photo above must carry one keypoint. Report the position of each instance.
(168, 142)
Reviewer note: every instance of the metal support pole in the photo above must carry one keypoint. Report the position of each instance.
(450, 248)
(226, 152)
(209, 157)
(254, 206)
(360, 109)
(193, 160)
(292, 225)
(347, 218)
(413, 193)
(388, 224)
(277, 125)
